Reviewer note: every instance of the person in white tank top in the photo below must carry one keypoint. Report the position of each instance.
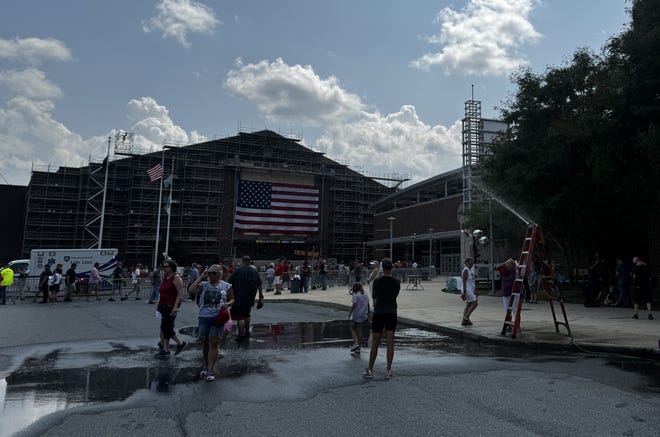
(469, 293)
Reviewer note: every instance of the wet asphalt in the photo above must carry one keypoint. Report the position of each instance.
(296, 377)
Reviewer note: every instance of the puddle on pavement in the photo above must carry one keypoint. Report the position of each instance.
(65, 378)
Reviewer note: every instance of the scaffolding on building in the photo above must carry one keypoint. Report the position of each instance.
(63, 205)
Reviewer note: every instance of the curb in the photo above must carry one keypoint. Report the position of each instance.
(539, 346)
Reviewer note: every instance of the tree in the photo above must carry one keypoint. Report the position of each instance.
(581, 155)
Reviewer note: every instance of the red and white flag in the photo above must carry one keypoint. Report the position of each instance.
(155, 172)
(275, 208)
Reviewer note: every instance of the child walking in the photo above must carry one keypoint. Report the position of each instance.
(358, 314)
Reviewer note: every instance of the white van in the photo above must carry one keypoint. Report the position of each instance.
(83, 258)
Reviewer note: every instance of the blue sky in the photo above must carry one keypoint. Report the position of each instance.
(377, 84)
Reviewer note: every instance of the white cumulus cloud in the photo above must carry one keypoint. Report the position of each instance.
(177, 18)
(392, 143)
(481, 39)
(395, 143)
(30, 83)
(34, 50)
(29, 133)
(292, 93)
(152, 122)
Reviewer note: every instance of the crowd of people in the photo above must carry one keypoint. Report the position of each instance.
(629, 285)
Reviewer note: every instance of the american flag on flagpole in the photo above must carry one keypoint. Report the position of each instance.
(155, 172)
(276, 208)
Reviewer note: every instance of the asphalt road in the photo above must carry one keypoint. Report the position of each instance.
(296, 378)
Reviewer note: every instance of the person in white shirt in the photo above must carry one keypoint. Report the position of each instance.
(469, 293)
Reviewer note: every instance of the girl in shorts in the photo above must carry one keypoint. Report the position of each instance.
(358, 314)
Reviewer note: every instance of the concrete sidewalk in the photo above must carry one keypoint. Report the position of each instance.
(597, 329)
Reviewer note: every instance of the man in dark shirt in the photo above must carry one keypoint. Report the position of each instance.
(70, 282)
(245, 281)
(384, 292)
(117, 281)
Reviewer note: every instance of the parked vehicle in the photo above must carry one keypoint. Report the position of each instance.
(83, 258)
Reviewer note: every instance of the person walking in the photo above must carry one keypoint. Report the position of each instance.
(469, 292)
(323, 275)
(156, 280)
(43, 283)
(6, 281)
(135, 280)
(117, 282)
(508, 277)
(246, 282)
(192, 277)
(358, 314)
(642, 285)
(305, 277)
(623, 278)
(70, 282)
(171, 295)
(22, 281)
(54, 282)
(94, 282)
(384, 291)
(215, 295)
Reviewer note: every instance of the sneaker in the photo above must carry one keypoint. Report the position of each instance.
(111, 300)
(163, 353)
(124, 298)
(203, 373)
(210, 376)
(137, 298)
(464, 322)
(180, 348)
(635, 316)
(650, 316)
(468, 322)
(388, 374)
(355, 347)
(368, 374)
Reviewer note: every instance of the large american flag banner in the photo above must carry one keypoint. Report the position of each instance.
(275, 208)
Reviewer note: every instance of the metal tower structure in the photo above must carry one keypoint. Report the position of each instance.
(472, 151)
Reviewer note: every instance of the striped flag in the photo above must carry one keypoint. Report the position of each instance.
(155, 172)
(275, 208)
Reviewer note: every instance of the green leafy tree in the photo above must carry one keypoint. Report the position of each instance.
(581, 154)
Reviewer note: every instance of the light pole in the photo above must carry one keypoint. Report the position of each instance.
(430, 248)
(413, 246)
(391, 219)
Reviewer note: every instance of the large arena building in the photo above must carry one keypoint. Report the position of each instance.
(254, 193)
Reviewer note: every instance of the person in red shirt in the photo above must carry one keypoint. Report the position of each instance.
(171, 295)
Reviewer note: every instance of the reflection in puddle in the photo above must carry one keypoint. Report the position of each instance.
(66, 378)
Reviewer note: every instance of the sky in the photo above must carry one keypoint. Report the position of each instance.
(379, 85)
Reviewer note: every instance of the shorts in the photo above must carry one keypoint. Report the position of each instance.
(470, 296)
(381, 322)
(642, 295)
(277, 280)
(167, 321)
(207, 328)
(240, 312)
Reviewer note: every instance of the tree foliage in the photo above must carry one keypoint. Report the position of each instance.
(581, 156)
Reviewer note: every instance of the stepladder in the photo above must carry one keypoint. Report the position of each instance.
(534, 269)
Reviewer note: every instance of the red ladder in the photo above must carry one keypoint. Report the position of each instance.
(534, 245)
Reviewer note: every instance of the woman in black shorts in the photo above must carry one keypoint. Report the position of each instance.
(384, 291)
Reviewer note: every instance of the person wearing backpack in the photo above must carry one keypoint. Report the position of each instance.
(43, 283)
(54, 282)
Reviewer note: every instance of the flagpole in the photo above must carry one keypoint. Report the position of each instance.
(169, 211)
(160, 201)
(105, 190)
